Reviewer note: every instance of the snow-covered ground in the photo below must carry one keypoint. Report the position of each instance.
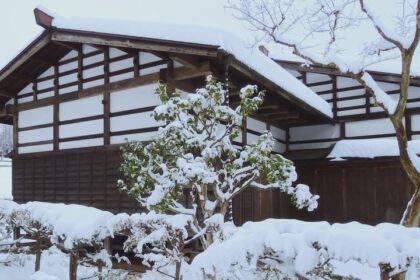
(5, 179)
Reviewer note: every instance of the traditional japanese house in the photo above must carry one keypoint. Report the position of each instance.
(83, 87)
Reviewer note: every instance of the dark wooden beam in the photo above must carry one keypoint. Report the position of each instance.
(70, 45)
(179, 74)
(133, 42)
(21, 78)
(6, 93)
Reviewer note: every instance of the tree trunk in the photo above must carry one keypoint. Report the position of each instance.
(73, 266)
(178, 271)
(411, 216)
(38, 254)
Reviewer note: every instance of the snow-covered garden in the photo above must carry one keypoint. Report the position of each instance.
(272, 249)
(73, 242)
(194, 156)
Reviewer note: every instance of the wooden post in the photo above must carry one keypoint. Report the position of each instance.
(334, 96)
(73, 266)
(136, 63)
(80, 69)
(35, 90)
(106, 101)
(56, 111)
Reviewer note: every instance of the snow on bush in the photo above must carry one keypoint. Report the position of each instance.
(194, 157)
(293, 248)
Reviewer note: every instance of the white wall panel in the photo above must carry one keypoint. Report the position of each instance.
(145, 57)
(35, 149)
(36, 135)
(26, 90)
(93, 84)
(82, 128)
(147, 136)
(115, 52)
(68, 66)
(47, 73)
(25, 99)
(121, 77)
(134, 121)
(279, 147)
(369, 127)
(82, 143)
(84, 107)
(122, 64)
(42, 115)
(278, 133)
(346, 82)
(46, 95)
(251, 138)
(256, 125)
(325, 131)
(133, 98)
(93, 59)
(152, 70)
(69, 55)
(313, 77)
(93, 72)
(415, 122)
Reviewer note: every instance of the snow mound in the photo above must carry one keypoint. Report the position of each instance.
(299, 247)
(370, 148)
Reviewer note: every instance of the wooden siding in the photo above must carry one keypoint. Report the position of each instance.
(367, 191)
(88, 177)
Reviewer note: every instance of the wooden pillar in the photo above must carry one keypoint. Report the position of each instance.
(166, 76)
(367, 101)
(334, 96)
(56, 111)
(408, 126)
(80, 68)
(16, 132)
(136, 63)
(35, 90)
(106, 101)
(287, 139)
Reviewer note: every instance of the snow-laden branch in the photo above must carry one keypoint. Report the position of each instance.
(192, 165)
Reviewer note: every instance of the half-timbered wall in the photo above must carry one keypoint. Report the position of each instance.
(354, 109)
(105, 118)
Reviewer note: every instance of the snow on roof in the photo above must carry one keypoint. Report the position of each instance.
(223, 39)
(369, 148)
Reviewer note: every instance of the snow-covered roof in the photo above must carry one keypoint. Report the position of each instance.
(222, 39)
(369, 148)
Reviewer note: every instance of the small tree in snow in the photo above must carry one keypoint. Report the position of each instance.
(318, 32)
(194, 152)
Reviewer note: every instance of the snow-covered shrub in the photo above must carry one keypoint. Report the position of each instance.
(71, 228)
(294, 248)
(7, 207)
(194, 152)
(157, 239)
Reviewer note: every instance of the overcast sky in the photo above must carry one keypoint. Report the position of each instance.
(18, 28)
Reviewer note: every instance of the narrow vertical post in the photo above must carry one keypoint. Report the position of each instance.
(56, 111)
(334, 96)
(106, 101)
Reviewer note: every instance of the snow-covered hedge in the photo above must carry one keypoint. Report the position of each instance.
(288, 248)
(294, 247)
